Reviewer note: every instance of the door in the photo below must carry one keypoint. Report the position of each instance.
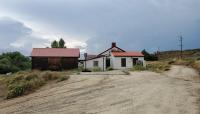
(107, 62)
(135, 61)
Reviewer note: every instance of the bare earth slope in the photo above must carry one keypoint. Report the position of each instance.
(139, 93)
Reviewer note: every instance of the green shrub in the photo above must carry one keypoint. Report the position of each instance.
(138, 68)
(21, 84)
(96, 69)
(148, 56)
(13, 62)
(109, 68)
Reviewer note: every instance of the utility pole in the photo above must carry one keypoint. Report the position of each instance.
(181, 45)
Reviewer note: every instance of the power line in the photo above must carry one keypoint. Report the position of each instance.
(181, 45)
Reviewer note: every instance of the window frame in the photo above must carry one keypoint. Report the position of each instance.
(95, 63)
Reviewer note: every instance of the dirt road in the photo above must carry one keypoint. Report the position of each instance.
(171, 92)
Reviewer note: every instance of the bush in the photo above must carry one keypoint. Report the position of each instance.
(13, 62)
(96, 69)
(138, 68)
(148, 56)
(21, 84)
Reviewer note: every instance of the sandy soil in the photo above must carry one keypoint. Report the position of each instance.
(171, 92)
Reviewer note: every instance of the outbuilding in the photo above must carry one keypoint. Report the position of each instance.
(55, 58)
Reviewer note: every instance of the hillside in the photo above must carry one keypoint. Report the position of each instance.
(187, 54)
(172, 92)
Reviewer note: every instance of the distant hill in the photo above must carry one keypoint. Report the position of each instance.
(188, 54)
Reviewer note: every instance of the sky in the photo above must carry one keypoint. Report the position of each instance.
(92, 25)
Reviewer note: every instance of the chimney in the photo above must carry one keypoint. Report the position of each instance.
(113, 44)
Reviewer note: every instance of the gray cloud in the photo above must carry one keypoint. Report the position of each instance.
(133, 24)
(15, 36)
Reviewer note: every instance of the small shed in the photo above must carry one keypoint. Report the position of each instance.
(55, 58)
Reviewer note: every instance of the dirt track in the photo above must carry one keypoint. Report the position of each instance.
(174, 92)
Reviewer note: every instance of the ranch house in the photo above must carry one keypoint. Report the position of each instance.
(115, 58)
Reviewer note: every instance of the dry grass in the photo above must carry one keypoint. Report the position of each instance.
(138, 68)
(25, 82)
(3, 88)
(158, 66)
(196, 65)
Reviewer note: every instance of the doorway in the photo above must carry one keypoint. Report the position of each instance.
(107, 62)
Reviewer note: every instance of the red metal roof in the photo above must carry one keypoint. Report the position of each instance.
(127, 54)
(55, 52)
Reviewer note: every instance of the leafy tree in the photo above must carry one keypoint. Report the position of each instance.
(5, 65)
(54, 44)
(61, 43)
(13, 62)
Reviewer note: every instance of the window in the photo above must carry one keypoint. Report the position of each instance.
(135, 60)
(96, 63)
(123, 62)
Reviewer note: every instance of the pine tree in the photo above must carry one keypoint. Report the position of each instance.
(62, 43)
(54, 44)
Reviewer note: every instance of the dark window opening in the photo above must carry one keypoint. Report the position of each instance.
(135, 60)
(107, 62)
(95, 63)
(123, 62)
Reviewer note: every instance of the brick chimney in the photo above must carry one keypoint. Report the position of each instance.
(113, 44)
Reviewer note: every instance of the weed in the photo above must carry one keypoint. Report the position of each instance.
(138, 68)
(96, 69)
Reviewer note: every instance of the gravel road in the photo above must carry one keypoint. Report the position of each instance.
(173, 92)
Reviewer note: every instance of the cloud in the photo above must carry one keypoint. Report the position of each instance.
(133, 24)
(15, 36)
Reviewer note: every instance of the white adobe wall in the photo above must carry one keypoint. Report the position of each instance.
(115, 62)
(129, 62)
(89, 63)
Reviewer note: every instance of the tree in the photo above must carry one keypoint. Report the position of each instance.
(54, 44)
(148, 56)
(61, 43)
(13, 62)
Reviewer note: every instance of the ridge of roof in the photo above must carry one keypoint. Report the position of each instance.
(55, 52)
(127, 54)
(111, 48)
